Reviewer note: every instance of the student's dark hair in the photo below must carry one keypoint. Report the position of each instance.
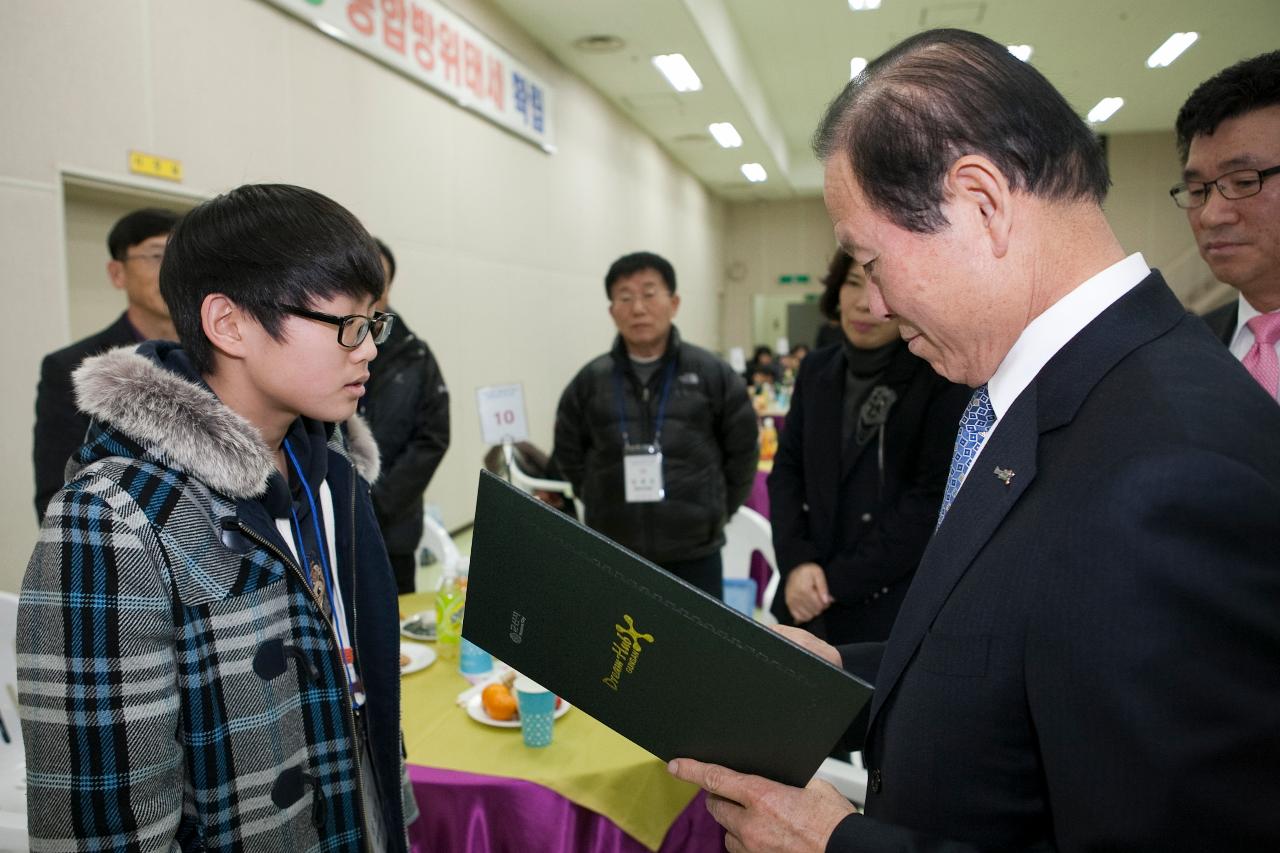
(133, 228)
(837, 273)
(1249, 85)
(264, 246)
(940, 95)
(761, 349)
(391, 259)
(629, 265)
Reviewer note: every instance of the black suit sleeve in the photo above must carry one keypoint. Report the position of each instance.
(737, 434)
(59, 429)
(891, 549)
(792, 540)
(404, 482)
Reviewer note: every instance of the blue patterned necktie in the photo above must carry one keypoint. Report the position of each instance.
(974, 423)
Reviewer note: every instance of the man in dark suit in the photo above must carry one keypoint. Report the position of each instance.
(1086, 659)
(1229, 141)
(136, 244)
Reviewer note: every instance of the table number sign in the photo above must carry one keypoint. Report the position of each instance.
(502, 416)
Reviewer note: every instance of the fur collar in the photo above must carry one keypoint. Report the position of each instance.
(187, 425)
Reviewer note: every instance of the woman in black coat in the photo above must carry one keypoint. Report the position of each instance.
(860, 471)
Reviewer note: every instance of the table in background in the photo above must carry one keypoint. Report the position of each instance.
(479, 789)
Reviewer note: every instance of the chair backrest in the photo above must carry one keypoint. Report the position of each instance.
(13, 774)
(524, 481)
(747, 533)
(438, 541)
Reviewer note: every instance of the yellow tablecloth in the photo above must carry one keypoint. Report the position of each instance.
(586, 763)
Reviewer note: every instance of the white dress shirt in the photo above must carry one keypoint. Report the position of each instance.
(1242, 340)
(1050, 332)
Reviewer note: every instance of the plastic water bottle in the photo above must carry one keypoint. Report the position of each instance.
(768, 440)
(451, 602)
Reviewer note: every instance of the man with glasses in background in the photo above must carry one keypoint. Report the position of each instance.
(136, 244)
(1229, 141)
(657, 436)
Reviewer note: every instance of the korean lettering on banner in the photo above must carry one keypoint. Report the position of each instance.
(434, 46)
(393, 21)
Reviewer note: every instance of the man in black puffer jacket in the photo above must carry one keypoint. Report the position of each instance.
(407, 407)
(657, 436)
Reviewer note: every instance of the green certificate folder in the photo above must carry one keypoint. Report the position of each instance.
(661, 663)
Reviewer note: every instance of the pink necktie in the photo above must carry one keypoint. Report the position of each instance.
(1261, 361)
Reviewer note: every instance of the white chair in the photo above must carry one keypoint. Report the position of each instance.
(438, 541)
(531, 484)
(849, 779)
(745, 534)
(13, 768)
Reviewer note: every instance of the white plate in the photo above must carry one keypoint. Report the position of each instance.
(424, 626)
(475, 710)
(420, 657)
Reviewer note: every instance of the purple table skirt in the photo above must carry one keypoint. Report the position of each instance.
(471, 813)
(759, 501)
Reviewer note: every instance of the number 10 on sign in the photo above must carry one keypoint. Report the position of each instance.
(502, 416)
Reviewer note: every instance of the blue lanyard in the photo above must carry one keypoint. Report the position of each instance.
(320, 544)
(662, 403)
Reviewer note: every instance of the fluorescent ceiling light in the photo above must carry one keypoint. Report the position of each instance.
(726, 134)
(678, 71)
(1171, 49)
(754, 172)
(863, 5)
(1105, 109)
(1022, 51)
(856, 66)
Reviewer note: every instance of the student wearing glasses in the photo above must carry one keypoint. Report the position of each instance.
(193, 671)
(1229, 140)
(136, 244)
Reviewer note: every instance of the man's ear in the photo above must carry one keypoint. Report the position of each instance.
(975, 183)
(675, 303)
(115, 272)
(226, 325)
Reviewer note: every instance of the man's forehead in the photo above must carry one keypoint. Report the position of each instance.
(643, 278)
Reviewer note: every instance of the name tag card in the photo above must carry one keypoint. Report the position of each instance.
(642, 467)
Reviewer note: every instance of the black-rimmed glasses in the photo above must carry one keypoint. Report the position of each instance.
(1241, 183)
(353, 328)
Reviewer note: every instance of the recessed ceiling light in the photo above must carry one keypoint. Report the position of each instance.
(599, 44)
(1022, 51)
(863, 5)
(856, 66)
(726, 134)
(678, 71)
(754, 172)
(1105, 109)
(1172, 48)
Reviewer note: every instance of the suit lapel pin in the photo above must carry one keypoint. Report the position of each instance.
(1004, 475)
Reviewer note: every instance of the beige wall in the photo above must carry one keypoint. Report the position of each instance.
(501, 247)
(766, 240)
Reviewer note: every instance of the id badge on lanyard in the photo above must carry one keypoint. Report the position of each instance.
(642, 468)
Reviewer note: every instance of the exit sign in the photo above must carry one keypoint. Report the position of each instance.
(154, 166)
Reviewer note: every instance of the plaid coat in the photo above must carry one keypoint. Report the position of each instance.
(180, 687)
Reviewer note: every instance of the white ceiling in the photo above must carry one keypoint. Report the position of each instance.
(771, 66)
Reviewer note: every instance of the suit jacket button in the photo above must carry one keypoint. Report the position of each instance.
(875, 781)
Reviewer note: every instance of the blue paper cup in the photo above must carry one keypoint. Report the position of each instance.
(740, 594)
(474, 663)
(537, 712)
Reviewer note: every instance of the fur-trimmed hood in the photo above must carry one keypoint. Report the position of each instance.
(180, 422)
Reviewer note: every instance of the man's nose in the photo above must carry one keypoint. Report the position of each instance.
(875, 302)
(1217, 209)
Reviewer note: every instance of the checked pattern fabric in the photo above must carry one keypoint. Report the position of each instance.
(974, 424)
(1261, 360)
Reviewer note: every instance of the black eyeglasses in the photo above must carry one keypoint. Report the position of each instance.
(353, 328)
(1241, 183)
